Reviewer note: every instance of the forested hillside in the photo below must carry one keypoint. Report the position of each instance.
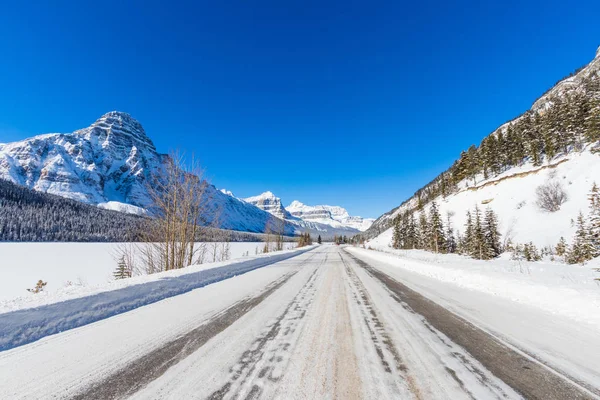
(551, 150)
(31, 216)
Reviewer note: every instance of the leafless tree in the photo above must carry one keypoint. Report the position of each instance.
(550, 196)
(180, 204)
(225, 246)
(201, 252)
(268, 238)
(280, 233)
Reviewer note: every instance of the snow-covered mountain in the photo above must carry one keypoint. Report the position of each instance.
(270, 203)
(558, 129)
(107, 161)
(329, 215)
(108, 164)
(326, 226)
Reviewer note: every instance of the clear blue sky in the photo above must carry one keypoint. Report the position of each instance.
(348, 103)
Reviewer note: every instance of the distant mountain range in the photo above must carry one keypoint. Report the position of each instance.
(108, 164)
(331, 215)
(319, 218)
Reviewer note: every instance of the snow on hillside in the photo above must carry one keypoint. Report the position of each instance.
(512, 195)
(123, 207)
(564, 118)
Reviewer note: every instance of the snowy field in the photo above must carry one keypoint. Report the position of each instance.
(75, 267)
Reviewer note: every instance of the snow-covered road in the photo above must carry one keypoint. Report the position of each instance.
(323, 324)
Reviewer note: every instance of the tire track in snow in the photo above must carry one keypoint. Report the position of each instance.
(264, 362)
(147, 368)
(527, 376)
(383, 344)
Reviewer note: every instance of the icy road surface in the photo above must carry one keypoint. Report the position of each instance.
(321, 325)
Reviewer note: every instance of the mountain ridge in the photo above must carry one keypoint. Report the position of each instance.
(272, 204)
(559, 123)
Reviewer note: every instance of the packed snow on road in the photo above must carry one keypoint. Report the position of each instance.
(319, 322)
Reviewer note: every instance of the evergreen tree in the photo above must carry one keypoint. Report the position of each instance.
(561, 247)
(530, 252)
(423, 236)
(492, 235)
(479, 245)
(473, 166)
(450, 240)
(411, 239)
(592, 123)
(582, 248)
(436, 230)
(502, 151)
(122, 272)
(594, 220)
(319, 239)
(548, 136)
(467, 242)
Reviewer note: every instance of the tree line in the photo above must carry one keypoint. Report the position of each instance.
(30, 216)
(586, 243)
(428, 231)
(27, 215)
(482, 239)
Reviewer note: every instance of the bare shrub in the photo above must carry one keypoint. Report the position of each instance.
(550, 196)
(39, 287)
(202, 252)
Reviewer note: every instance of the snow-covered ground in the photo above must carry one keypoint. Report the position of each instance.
(319, 336)
(568, 290)
(316, 325)
(547, 309)
(29, 318)
(76, 267)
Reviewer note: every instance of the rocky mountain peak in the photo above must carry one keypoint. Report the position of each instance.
(296, 204)
(598, 52)
(119, 128)
(270, 203)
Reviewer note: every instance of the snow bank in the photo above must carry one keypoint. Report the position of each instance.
(566, 290)
(23, 325)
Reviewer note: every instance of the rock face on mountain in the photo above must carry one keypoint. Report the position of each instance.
(331, 215)
(268, 202)
(109, 163)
